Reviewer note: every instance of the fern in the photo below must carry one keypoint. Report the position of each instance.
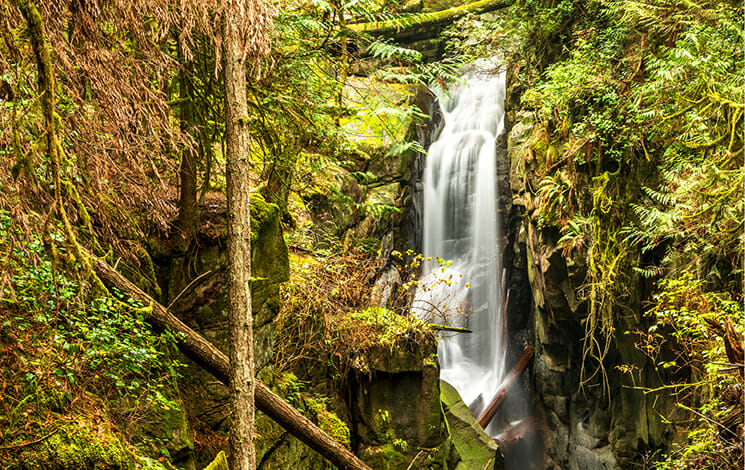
(386, 49)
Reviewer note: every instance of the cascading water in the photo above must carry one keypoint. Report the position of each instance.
(462, 228)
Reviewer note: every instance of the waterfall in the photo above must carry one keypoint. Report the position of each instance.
(462, 275)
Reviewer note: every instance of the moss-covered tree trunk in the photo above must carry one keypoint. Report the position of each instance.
(242, 383)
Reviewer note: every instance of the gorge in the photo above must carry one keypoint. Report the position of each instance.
(550, 184)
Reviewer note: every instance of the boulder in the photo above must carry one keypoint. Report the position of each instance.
(471, 447)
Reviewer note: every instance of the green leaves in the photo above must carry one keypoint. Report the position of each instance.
(639, 142)
(386, 49)
(99, 342)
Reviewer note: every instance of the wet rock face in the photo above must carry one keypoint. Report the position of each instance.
(595, 426)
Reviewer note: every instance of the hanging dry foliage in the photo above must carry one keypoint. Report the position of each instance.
(116, 64)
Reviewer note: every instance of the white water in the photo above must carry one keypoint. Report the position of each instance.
(461, 225)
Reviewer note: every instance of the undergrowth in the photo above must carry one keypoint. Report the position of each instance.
(328, 320)
(64, 356)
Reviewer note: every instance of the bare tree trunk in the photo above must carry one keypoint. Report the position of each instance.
(242, 384)
(188, 211)
(201, 351)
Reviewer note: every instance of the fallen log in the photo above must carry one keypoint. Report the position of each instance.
(413, 25)
(487, 415)
(202, 352)
(515, 434)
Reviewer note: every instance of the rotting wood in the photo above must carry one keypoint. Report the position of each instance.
(487, 415)
(515, 434)
(202, 352)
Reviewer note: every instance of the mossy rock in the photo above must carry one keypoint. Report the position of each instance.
(396, 406)
(276, 449)
(269, 257)
(471, 447)
(171, 427)
(385, 457)
(81, 445)
(379, 212)
(204, 305)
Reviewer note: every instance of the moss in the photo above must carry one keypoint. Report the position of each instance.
(220, 462)
(328, 421)
(53, 399)
(169, 432)
(389, 330)
(269, 258)
(470, 443)
(288, 387)
(275, 448)
(385, 457)
(434, 17)
(391, 452)
(146, 264)
(77, 446)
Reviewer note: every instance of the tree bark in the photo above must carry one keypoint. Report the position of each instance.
(511, 378)
(242, 386)
(188, 210)
(202, 352)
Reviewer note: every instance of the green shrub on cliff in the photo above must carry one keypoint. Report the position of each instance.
(639, 145)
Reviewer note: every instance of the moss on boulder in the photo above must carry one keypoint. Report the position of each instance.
(471, 446)
(276, 449)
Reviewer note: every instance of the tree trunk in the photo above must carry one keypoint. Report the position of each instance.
(243, 454)
(511, 378)
(201, 351)
(188, 211)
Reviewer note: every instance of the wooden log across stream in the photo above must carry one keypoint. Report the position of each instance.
(414, 25)
(487, 415)
(201, 351)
